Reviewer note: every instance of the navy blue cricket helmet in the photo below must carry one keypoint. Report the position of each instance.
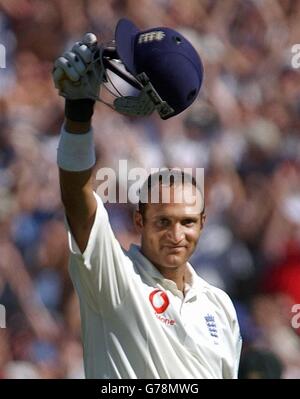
(171, 63)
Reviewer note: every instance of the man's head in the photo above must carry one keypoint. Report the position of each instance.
(170, 218)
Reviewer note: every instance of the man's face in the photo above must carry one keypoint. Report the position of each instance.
(170, 231)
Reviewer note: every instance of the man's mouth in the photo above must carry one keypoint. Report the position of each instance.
(175, 248)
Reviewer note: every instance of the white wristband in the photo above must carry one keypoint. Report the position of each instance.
(76, 152)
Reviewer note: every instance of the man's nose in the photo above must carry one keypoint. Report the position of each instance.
(176, 233)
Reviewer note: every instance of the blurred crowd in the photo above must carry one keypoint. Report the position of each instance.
(244, 130)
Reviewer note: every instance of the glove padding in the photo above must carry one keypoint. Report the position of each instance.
(79, 73)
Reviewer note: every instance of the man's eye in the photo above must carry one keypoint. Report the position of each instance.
(163, 222)
(188, 222)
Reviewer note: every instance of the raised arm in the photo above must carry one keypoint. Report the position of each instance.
(77, 193)
(76, 81)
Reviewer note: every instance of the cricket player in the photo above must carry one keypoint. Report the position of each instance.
(145, 313)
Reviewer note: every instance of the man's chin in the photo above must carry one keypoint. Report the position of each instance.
(174, 260)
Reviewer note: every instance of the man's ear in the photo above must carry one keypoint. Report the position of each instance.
(138, 221)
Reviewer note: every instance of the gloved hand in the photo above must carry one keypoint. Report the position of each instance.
(77, 74)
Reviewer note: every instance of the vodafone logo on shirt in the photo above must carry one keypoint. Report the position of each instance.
(159, 300)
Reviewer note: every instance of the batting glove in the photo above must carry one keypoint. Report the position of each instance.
(78, 74)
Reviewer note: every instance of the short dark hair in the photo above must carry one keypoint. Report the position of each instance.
(174, 176)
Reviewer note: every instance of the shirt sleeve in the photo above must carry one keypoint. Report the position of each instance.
(235, 342)
(231, 360)
(102, 273)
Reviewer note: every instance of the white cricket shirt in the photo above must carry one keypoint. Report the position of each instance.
(137, 324)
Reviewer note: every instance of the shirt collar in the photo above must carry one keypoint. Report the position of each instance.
(143, 263)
